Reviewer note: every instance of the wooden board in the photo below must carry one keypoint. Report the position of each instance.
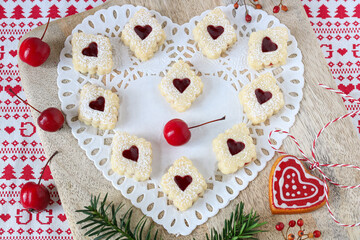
(77, 178)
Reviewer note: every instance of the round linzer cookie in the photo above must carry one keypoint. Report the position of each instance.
(292, 189)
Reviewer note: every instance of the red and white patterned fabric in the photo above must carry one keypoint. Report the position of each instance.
(21, 155)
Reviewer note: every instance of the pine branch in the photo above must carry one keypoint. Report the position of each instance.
(103, 226)
(239, 226)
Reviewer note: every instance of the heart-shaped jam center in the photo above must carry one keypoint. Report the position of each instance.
(143, 31)
(262, 96)
(181, 84)
(98, 104)
(268, 45)
(91, 50)
(183, 182)
(215, 32)
(235, 147)
(132, 153)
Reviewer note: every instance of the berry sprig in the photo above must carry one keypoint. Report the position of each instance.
(281, 6)
(248, 17)
(301, 233)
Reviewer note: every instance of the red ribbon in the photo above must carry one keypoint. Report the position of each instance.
(314, 164)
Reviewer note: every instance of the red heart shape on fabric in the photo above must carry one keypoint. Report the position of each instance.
(342, 51)
(1, 88)
(91, 50)
(5, 217)
(62, 217)
(292, 189)
(15, 89)
(183, 182)
(181, 84)
(9, 130)
(346, 89)
(143, 31)
(235, 147)
(268, 46)
(215, 32)
(13, 53)
(262, 96)
(98, 104)
(132, 153)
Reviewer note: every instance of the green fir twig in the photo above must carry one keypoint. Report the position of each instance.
(101, 223)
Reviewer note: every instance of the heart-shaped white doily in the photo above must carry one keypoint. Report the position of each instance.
(144, 112)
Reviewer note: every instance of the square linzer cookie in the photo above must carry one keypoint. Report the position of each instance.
(261, 98)
(181, 86)
(214, 34)
(143, 34)
(234, 148)
(91, 53)
(268, 48)
(131, 156)
(183, 184)
(98, 107)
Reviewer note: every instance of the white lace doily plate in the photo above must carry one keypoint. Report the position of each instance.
(144, 112)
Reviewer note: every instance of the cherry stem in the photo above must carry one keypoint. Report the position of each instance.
(219, 119)
(46, 165)
(283, 234)
(23, 100)
(45, 29)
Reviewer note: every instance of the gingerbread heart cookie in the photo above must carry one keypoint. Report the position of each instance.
(292, 189)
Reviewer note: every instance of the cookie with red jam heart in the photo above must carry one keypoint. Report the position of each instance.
(214, 34)
(268, 48)
(261, 98)
(143, 34)
(292, 189)
(98, 107)
(91, 53)
(234, 148)
(183, 184)
(181, 86)
(131, 156)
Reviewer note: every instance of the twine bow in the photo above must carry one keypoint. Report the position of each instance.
(316, 165)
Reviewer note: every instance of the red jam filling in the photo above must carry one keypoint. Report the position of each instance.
(98, 104)
(132, 153)
(181, 84)
(215, 32)
(262, 96)
(268, 45)
(91, 50)
(235, 147)
(143, 31)
(183, 182)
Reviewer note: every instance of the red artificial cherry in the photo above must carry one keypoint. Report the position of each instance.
(317, 234)
(292, 223)
(276, 9)
(50, 120)
(236, 5)
(258, 6)
(248, 18)
(301, 233)
(291, 236)
(35, 197)
(300, 222)
(177, 132)
(34, 51)
(279, 226)
(284, 8)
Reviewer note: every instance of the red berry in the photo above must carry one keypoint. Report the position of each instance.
(176, 132)
(291, 236)
(258, 6)
(236, 5)
(34, 51)
(276, 9)
(317, 234)
(51, 120)
(34, 197)
(284, 8)
(248, 18)
(292, 223)
(279, 226)
(301, 233)
(300, 222)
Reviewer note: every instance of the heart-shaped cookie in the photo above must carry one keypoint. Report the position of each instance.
(132, 153)
(183, 182)
(215, 32)
(143, 31)
(91, 50)
(292, 189)
(98, 104)
(235, 147)
(181, 84)
(268, 46)
(262, 96)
